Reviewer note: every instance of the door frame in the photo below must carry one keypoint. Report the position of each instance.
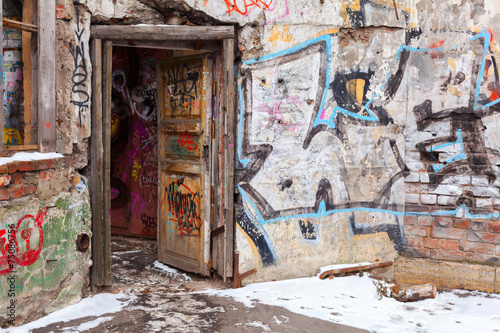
(219, 233)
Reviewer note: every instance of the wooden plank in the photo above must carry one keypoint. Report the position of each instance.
(161, 32)
(208, 46)
(2, 122)
(107, 67)
(96, 160)
(24, 26)
(21, 147)
(47, 75)
(215, 162)
(221, 164)
(207, 140)
(28, 16)
(228, 51)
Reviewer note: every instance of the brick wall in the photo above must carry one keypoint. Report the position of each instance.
(456, 220)
(22, 178)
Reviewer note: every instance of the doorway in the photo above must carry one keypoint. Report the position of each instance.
(149, 148)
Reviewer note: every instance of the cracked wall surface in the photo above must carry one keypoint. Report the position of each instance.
(366, 130)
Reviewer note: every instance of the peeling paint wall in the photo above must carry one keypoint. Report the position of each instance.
(367, 129)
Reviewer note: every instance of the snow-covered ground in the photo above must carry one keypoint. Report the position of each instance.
(354, 301)
(351, 300)
(95, 306)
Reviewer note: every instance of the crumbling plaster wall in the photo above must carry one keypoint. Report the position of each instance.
(366, 128)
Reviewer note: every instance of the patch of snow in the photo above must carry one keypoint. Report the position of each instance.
(171, 270)
(354, 301)
(125, 252)
(24, 157)
(87, 325)
(95, 306)
(255, 324)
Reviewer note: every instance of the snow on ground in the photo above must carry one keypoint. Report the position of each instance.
(171, 270)
(28, 157)
(96, 306)
(354, 301)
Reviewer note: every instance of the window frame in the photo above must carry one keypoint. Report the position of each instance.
(42, 103)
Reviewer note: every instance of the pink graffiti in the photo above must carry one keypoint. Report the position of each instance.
(243, 8)
(9, 243)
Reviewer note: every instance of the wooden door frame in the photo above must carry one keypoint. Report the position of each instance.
(200, 38)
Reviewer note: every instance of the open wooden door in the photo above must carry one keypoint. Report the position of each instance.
(182, 166)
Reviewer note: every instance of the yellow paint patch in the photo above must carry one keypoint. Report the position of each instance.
(355, 89)
(250, 242)
(280, 34)
(454, 91)
(452, 63)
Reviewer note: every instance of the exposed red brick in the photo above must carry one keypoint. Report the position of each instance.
(4, 194)
(471, 256)
(415, 242)
(416, 188)
(16, 178)
(415, 231)
(447, 255)
(443, 222)
(17, 191)
(423, 253)
(479, 226)
(489, 238)
(46, 174)
(46, 164)
(447, 233)
(447, 244)
(4, 168)
(431, 243)
(478, 248)
(411, 220)
(461, 224)
(424, 221)
(22, 166)
(494, 227)
(61, 12)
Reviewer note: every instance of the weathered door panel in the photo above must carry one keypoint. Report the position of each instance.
(183, 96)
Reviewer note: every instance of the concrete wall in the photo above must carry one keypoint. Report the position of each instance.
(364, 132)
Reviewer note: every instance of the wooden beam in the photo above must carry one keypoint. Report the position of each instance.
(2, 122)
(28, 15)
(96, 160)
(161, 32)
(229, 101)
(47, 75)
(107, 66)
(208, 46)
(21, 147)
(20, 25)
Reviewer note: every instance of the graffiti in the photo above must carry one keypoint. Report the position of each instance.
(185, 206)
(186, 141)
(277, 186)
(181, 82)
(280, 34)
(243, 8)
(23, 250)
(135, 170)
(149, 222)
(144, 99)
(80, 73)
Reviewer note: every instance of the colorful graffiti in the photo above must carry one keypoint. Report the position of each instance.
(134, 141)
(324, 179)
(22, 243)
(184, 206)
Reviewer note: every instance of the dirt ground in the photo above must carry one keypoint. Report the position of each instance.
(165, 302)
